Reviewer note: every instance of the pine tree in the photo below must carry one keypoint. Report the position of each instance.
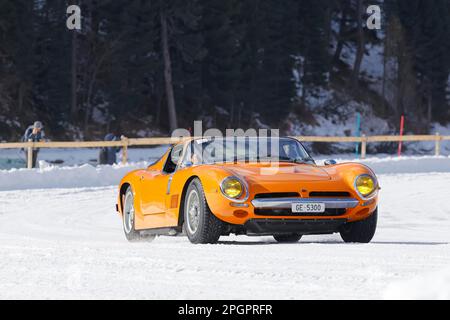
(313, 47)
(267, 82)
(220, 68)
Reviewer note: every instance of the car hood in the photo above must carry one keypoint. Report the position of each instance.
(278, 172)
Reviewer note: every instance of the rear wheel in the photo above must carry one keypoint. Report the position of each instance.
(287, 238)
(200, 225)
(360, 231)
(131, 233)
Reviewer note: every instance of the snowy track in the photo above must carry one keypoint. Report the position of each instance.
(68, 243)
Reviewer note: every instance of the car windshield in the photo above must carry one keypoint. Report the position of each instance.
(248, 149)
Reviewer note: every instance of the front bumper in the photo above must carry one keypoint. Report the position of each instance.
(286, 203)
(287, 226)
(350, 208)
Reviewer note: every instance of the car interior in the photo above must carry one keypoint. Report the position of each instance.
(173, 159)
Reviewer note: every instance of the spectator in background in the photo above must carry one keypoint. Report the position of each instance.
(108, 155)
(34, 133)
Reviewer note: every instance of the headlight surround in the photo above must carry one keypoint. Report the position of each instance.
(232, 188)
(365, 185)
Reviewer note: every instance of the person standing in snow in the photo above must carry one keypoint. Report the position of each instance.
(34, 133)
(107, 155)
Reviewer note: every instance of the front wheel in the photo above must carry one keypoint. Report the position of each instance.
(131, 233)
(200, 224)
(360, 231)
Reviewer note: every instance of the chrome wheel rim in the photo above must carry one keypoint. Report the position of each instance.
(193, 211)
(128, 218)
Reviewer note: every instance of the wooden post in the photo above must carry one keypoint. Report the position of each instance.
(400, 143)
(363, 146)
(437, 149)
(358, 131)
(30, 154)
(124, 150)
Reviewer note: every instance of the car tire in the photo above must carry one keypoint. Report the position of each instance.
(200, 224)
(287, 238)
(128, 220)
(360, 231)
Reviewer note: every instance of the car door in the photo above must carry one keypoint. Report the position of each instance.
(156, 184)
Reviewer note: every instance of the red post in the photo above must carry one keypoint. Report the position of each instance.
(400, 143)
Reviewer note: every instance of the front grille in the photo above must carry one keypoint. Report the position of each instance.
(277, 195)
(287, 213)
(328, 194)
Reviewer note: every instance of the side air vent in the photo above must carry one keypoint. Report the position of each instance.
(277, 195)
(333, 194)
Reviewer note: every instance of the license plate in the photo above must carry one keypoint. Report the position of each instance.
(312, 207)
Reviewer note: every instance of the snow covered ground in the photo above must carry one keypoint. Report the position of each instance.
(68, 243)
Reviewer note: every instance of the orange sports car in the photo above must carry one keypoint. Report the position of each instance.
(212, 187)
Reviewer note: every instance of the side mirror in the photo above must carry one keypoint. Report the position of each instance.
(330, 162)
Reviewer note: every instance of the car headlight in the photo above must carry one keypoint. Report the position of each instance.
(232, 187)
(365, 185)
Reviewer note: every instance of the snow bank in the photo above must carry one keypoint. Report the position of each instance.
(50, 176)
(13, 158)
(393, 165)
(433, 286)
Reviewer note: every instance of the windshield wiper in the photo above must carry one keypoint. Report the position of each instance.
(308, 159)
(271, 159)
(296, 160)
(237, 159)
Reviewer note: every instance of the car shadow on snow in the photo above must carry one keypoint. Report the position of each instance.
(247, 243)
(263, 243)
(273, 242)
(412, 243)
